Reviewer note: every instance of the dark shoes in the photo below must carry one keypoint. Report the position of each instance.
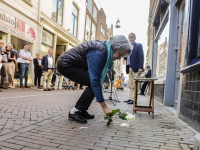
(131, 102)
(21, 86)
(86, 115)
(141, 94)
(45, 89)
(50, 89)
(26, 86)
(77, 117)
(127, 101)
(73, 88)
(68, 88)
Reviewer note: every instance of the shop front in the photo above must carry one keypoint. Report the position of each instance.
(17, 32)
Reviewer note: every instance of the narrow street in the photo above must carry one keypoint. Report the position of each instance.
(33, 119)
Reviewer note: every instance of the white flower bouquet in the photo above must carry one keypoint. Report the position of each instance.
(124, 116)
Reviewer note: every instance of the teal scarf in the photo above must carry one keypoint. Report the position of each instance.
(109, 62)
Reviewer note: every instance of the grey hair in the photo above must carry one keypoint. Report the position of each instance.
(9, 44)
(50, 50)
(120, 42)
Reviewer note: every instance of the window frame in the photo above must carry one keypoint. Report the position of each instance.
(62, 1)
(75, 18)
(91, 6)
(94, 8)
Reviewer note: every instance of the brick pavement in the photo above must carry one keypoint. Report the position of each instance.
(32, 119)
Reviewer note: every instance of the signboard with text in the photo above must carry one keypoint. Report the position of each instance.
(16, 27)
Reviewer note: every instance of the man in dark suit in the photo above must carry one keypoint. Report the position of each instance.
(134, 65)
(37, 70)
(148, 75)
(48, 67)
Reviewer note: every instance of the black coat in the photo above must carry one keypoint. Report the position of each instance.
(148, 75)
(36, 64)
(45, 63)
(76, 57)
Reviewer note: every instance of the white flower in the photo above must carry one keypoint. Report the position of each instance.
(130, 117)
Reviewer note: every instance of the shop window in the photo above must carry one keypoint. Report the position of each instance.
(47, 42)
(193, 47)
(74, 20)
(94, 13)
(102, 30)
(59, 50)
(88, 21)
(89, 5)
(93, 32)
(57, 11)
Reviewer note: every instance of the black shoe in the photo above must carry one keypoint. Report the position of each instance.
(127, 101)
(77, 117)
(131, 102)
(141, 94)
(86, 115)
(68, 88)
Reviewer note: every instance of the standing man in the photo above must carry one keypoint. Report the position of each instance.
(25, 64)
(37, 70)
(48, 67)
(3, 67)
(134, 65)
(147, 75)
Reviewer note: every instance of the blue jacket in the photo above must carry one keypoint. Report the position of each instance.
(45, 63)
(136, 58)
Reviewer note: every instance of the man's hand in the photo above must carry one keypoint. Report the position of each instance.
(140, 71)
(106, 110)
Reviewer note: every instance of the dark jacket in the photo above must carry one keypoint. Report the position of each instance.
(36, 64)
(12, 54)
(76, 57)
(45, 63)
(136, 58)
(148, 75)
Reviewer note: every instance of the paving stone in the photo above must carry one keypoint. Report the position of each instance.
(10, 145)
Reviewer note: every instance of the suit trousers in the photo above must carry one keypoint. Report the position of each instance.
(81, 76)
(3, 73)
(48, 74)
(38, 74)
(131, 82)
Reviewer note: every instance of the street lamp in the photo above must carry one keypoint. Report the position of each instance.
(118, 24)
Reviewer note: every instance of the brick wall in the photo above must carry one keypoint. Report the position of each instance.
(159, 92)
(190, 99)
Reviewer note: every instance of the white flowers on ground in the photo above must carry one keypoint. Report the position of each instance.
(130, 117)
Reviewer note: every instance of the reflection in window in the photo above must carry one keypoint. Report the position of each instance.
(162, 52)
(74, 20)
(102, 30)
(57, 11)
(89, 5)
(93, 32)
(94, 13)
(47, 42)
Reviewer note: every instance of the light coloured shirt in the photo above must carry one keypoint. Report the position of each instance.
(122, 77)
(128, 58)
(4, 58)
(50, 61)
(25, 53)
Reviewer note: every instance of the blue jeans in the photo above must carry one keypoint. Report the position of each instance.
(24, 71)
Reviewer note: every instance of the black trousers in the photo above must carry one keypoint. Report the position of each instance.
(38, 74)
(144, 87)
(82, 77)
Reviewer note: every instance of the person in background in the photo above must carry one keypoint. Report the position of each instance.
(87, 64)
(134, 65)
(4, 63)
(122, 76)
(72, 85)
(147, 75)
(48, 67)
(25, 64)
(59, 77)
(122, 85)
(118, 83)
(10, 65)
(37, 70)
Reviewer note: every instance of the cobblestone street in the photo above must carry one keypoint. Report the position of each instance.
(33, 119)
